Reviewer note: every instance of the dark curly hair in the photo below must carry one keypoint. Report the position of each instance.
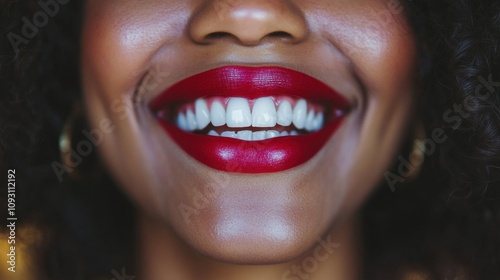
(443, 225)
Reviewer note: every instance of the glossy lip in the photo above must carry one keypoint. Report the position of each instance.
(237, 156)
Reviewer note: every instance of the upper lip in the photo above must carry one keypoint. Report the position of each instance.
(252, 83)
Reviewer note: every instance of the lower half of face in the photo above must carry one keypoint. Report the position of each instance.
(248, 128)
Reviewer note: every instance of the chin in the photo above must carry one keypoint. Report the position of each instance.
(257, 219)
(265, 239)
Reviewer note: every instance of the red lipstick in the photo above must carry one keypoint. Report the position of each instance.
(239, 156)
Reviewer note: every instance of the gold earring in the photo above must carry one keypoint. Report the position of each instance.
(65, 142)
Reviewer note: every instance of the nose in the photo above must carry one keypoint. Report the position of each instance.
(249, 22)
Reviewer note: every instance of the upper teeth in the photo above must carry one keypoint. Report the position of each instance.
(238, 114)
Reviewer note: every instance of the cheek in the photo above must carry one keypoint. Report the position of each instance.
(118, 41)
(113, 62)
(382, 50)
(374, 38)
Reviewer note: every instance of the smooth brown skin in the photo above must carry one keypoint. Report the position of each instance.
(353, 46)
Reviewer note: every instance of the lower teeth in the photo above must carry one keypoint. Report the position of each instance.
(249, 135)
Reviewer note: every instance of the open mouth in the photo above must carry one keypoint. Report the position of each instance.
(250, 119)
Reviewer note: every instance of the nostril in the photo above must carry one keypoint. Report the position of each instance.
(214, 36)
(280, 35)
(249, 23)
(218, 35)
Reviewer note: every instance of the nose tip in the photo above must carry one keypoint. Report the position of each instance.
(249, 22)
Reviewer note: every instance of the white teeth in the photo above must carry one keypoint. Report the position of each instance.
(285, 113)
(218, 114)
(182, 122)
(213, 133)
(238, 113)
(202, 113)
(310, 121)
(299, 114)
(272, 134)
(191, 120)
(230, 134)
(259, 135)
(318, 121)
(245, 135)
(264, 113)
(248, 135)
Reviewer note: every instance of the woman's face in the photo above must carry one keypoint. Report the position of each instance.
(145, 75)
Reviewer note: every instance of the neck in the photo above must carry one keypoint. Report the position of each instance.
(164, 256)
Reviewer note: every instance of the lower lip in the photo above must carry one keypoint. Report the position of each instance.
(238, 156)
